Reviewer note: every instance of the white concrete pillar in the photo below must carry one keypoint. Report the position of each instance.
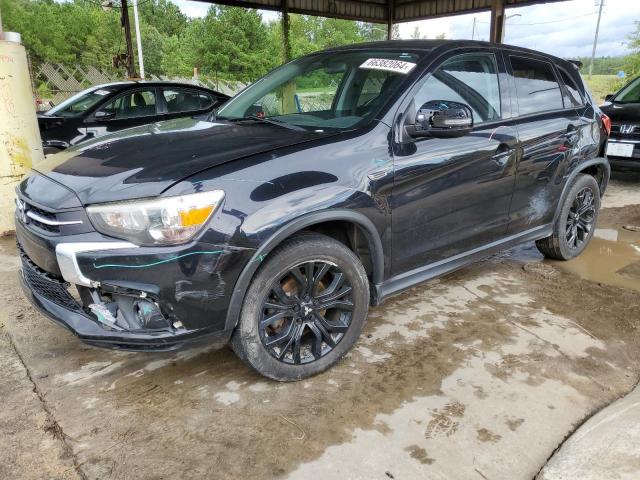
(20, 143)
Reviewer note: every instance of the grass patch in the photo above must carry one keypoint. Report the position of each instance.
(602, 85)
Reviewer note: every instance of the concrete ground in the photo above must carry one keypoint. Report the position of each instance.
(605, 447)
(479, 375)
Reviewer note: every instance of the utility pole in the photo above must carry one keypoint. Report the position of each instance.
(138, 39)
(473, 29)
(124, 20)
(595, 39)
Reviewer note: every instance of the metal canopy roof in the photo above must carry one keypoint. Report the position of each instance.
(379, 11)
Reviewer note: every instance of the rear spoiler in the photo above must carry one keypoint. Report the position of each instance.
(577, 63)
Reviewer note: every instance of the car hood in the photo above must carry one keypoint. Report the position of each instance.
(622, 112)
(145, 161)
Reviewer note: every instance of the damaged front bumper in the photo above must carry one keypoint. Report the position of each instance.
(130, 297)
(91, 332)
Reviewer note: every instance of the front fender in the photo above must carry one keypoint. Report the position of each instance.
(290, 228)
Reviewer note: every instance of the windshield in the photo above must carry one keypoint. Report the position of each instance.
(334, 90)
(79, 103)
(630, 93)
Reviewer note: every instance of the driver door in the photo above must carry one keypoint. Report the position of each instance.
(452, 195)
(130, 109)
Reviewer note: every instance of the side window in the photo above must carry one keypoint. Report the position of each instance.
(537, 88)
(179, 100)
(572, 96)
(471, 79)
(140, 103)
(206, 101)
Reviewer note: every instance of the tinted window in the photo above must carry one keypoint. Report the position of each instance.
(572, 96)
(471, 79)
(630, 93)
(140, 103)
(536, 86)
(179, 100)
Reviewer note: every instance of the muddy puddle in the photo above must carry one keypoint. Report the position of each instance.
(612, 257)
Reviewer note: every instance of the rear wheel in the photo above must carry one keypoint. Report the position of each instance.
(576, 223)
(304, 309)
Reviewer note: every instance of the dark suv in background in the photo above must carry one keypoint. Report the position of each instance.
(334, 182)
(111, 107)
(623, 108)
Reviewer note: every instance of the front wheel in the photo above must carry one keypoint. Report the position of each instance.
(576, 223)
(304, 309)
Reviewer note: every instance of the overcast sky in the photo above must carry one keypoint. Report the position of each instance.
(565, 29)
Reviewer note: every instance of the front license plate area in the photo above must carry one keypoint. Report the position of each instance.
(615, 149)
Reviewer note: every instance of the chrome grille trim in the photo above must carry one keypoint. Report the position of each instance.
(46, 221)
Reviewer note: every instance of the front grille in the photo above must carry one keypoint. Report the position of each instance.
(43, 284)
(45, 214)
(633, 135)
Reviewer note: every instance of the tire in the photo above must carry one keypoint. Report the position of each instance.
(562, 245)
(339, 284)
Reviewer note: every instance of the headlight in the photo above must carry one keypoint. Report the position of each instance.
(160, 221)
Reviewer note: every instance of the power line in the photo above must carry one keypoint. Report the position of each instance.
(551, 21)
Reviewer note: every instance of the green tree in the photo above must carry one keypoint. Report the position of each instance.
(229, 43)
(632, 64)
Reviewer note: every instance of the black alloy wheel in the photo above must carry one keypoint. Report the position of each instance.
(575, 222)
(304, 309)
(581, 218)
(306, 312)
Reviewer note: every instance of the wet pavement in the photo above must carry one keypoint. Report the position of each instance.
(481, 374)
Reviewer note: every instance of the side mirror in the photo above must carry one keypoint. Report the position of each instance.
(442, 119)
(609, 97)
(104, 115)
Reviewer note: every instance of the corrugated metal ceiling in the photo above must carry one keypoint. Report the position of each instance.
(377, 11)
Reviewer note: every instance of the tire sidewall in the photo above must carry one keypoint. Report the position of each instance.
(581, 182)
(246, 336)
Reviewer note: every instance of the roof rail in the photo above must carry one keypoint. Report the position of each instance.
(577, 63)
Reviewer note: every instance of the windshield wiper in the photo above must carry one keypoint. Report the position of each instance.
(272, 121)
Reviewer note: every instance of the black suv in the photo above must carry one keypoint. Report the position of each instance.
(623, 108)
(335, 181)
(111, 107)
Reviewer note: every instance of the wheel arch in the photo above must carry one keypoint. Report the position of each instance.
(598, 168)
(318, 222)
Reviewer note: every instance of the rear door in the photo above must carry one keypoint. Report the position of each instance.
(549, 130)
(185, 102)
(452, 195)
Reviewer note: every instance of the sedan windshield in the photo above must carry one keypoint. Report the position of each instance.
(78, 104)
(332, 90)
(630, 93)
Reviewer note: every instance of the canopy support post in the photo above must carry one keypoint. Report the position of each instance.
(497, 21)
(286, 26)
(390, 20)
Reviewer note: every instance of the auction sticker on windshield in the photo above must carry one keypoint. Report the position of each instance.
(389, 65)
